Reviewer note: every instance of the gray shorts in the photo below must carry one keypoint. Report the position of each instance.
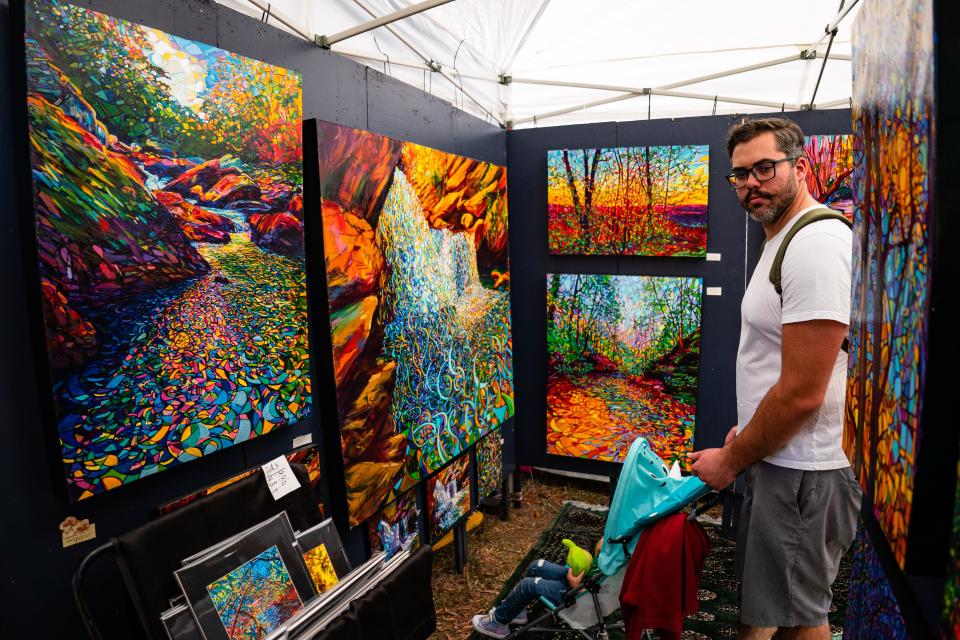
(794, 528)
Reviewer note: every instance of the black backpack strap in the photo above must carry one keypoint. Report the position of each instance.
(814, 215)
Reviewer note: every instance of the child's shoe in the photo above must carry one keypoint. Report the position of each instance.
(488, 626)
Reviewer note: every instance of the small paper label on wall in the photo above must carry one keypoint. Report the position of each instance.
(280, 477)
(303, 440)
(75, 531)
(713, 257)
(714, 291)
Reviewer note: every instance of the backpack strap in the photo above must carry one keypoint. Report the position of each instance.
(815, 215)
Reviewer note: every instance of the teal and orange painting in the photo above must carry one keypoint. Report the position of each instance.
(167, 184)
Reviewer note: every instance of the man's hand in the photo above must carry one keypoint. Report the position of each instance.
(574, 580)
(712, 466)
(731, 435)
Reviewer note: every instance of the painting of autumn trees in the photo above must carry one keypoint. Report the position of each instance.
(623, 356)
(830, 180)
(649, 201)
(892, 115)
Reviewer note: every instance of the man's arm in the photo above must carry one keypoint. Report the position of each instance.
(808, 353)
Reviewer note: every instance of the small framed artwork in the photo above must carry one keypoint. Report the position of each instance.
(249, 587)
(489, 464)
(395, 527)
(448, 496)
(323, 553)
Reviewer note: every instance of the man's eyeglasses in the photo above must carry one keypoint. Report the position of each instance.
(762, 171)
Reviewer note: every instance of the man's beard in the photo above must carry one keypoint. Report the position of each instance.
(778, 205)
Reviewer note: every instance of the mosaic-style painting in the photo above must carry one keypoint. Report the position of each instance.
(394, 528)
(892, 115)
(448, 496)
(637, 201)
(415, 242)
(872, 609)
(489, 465)
(623, 353)
(256, 597)
(321, 568)
(308, 456)
(830, 180)
(167, 193)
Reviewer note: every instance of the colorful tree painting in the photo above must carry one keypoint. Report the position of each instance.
(830, 180)
(489, 465)
(415, 242)
(872, 609)
(892, 115)
(448, 496)
(256, 597)
(321, 568)
(649, 201)
(394, 528)
(167, 180)
(623, 355)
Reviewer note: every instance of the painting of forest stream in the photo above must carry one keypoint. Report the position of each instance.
(623, 357)
(167, 181)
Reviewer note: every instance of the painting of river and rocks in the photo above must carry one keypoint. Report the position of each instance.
(167, 181)
(623, 361)
(415, 242)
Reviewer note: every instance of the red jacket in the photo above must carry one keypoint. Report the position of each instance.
(661, 582)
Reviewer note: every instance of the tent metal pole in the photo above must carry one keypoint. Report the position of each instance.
(434, 66)
(412, 10)
(747, 101)
(579, 107)
(270, 12)
(823, 66)
(401, 62)
(834, 24)
(842, 102)
(508, 65)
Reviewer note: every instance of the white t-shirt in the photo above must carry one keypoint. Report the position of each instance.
(815, 278)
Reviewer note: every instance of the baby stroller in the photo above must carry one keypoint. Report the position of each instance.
(645, 493)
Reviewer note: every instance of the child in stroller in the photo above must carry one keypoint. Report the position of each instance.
(543, 579)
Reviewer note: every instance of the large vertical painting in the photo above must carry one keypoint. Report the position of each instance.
(637, 201)
(448, 496)
(623, 354)
(872, 609)
(167, 195)
(415, 242)
(830, 180)
(892, 115)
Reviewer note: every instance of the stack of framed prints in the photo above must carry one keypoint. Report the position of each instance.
(248, 585)
(323, 552)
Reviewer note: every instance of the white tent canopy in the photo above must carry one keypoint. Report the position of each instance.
(524, 63)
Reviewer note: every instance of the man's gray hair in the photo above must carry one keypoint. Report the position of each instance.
(788, 134)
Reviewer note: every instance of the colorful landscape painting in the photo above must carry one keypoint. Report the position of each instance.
(448, 496)
(415, 242)
(831, 178)
(167, 193)
(632, 201)
(623, 354)
(308, 456)
(489, 465)
(321, 568)
(394, 528)
(893, 105)
(256, 597)
(872, 609)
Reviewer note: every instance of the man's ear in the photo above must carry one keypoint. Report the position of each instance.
(803, 167)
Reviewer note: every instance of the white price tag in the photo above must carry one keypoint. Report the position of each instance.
(713, 257)
(303, 440)
(280, 477)
(714, 291)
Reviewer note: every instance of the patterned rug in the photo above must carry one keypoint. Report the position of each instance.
(719, 613)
